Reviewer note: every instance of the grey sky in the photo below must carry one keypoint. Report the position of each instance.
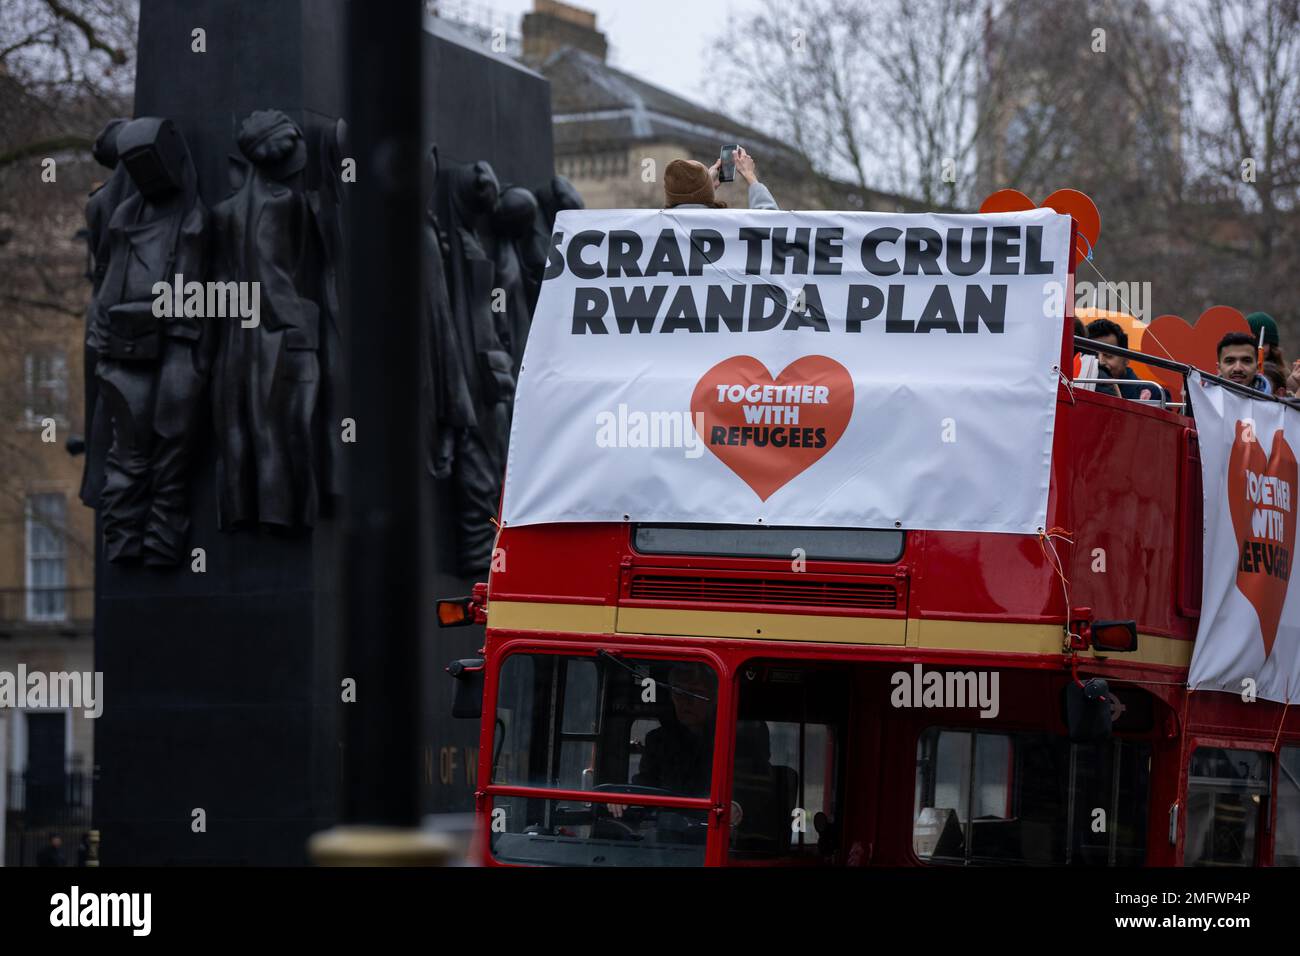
(662, 41)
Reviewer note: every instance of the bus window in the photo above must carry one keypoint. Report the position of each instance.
(1227, 791)
(1287, 850)
(785, 772)
(609, 726)
(1112, 781)
(985, 797)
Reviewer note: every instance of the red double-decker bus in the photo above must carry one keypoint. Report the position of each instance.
(668, 695)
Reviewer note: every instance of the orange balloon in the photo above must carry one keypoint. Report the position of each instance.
(1070, 202)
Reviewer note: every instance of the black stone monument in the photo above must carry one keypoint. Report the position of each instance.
(223, 688)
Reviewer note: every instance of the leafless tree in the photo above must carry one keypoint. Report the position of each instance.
(66, 67)
(1247, 136)
(63, 63)
(891, 94)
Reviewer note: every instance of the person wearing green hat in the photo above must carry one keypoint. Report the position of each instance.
(1263, 330)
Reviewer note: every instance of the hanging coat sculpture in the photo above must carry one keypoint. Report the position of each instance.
(103, 201)
(478, 458)
(329, 212)
(151, 368)
(267, 376)
(448, 404)
(513, 229)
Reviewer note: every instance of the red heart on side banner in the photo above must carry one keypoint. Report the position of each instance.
(1262, 497)
(769, 430)
(1071, 202)
(1169, 337)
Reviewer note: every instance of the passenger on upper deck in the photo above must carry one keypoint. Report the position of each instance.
(1276, 376)
(1263, 322)
(1263, 327)
(1116, 366)
(692, 185)
(1239, 362)
(1080, 332)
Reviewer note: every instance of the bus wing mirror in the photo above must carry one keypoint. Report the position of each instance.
(1114, 635)
(1088, 711)
(455, 612)
(468, 674)
(461, 611)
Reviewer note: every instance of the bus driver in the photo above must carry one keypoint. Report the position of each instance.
(678, 754)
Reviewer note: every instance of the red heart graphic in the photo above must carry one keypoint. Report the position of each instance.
(1071, 202)
(1263, 517)
(1168, 336)
(769, 430)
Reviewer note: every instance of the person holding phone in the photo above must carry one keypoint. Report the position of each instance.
(692, 185)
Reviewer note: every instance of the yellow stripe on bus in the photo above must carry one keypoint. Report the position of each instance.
(539, 616)
(769, 627)
(813, 628)
(1034, 639)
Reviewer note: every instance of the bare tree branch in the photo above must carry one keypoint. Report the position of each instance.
(91, 35)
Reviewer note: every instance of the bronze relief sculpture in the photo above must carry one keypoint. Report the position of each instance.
(151, 370)
(100, 207)
(279, 236)
(267, 375)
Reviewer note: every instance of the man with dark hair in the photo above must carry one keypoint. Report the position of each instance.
(1239, 362)
(1116, 366)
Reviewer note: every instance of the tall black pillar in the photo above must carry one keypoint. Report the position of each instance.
(222, 687)
(381, 581)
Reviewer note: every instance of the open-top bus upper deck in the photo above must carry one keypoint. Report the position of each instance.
(662, 693)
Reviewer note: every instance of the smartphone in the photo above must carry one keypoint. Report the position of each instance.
(727, 172)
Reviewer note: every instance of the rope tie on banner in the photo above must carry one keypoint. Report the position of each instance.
(1068, 383)
(1127, 308)
(1054, 559)
(1280, 723)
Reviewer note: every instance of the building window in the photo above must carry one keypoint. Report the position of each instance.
(47, 571)
(45, 386)
(1227, 798)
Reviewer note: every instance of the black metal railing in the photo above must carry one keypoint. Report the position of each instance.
(40, 806)
(1091, 346)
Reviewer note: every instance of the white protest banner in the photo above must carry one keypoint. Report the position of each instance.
(1250, 607)
(819, 369)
